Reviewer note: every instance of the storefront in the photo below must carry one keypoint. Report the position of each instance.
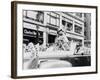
(30, 35)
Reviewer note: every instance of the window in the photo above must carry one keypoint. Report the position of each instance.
(68, 25)
(40, 36)
(39, 16)
(53, 19)
(79, 15)
(58, 22)
(24, 12)
(48, 19)
(63, 22)
(32, 14)
(78, 29)
(35, 15)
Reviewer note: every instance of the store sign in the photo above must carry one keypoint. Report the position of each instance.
(29, 32)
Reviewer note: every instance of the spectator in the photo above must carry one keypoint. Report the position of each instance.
(30, 57)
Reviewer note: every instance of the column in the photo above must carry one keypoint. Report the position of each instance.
(83, 34)
(60, 27)
(44, 38)
(73, 30)
(45, 31)
(45, 18)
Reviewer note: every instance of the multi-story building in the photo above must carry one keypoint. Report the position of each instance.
(87, 30)
(42, 26)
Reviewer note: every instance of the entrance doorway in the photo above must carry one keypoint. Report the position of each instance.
(51, 38)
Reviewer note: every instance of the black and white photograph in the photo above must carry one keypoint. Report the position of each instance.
(53, 39)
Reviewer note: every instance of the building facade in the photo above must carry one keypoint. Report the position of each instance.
(87, 30)
(42, 26)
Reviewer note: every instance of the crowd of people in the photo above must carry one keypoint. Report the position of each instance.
(61, 43)
(30, 56)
